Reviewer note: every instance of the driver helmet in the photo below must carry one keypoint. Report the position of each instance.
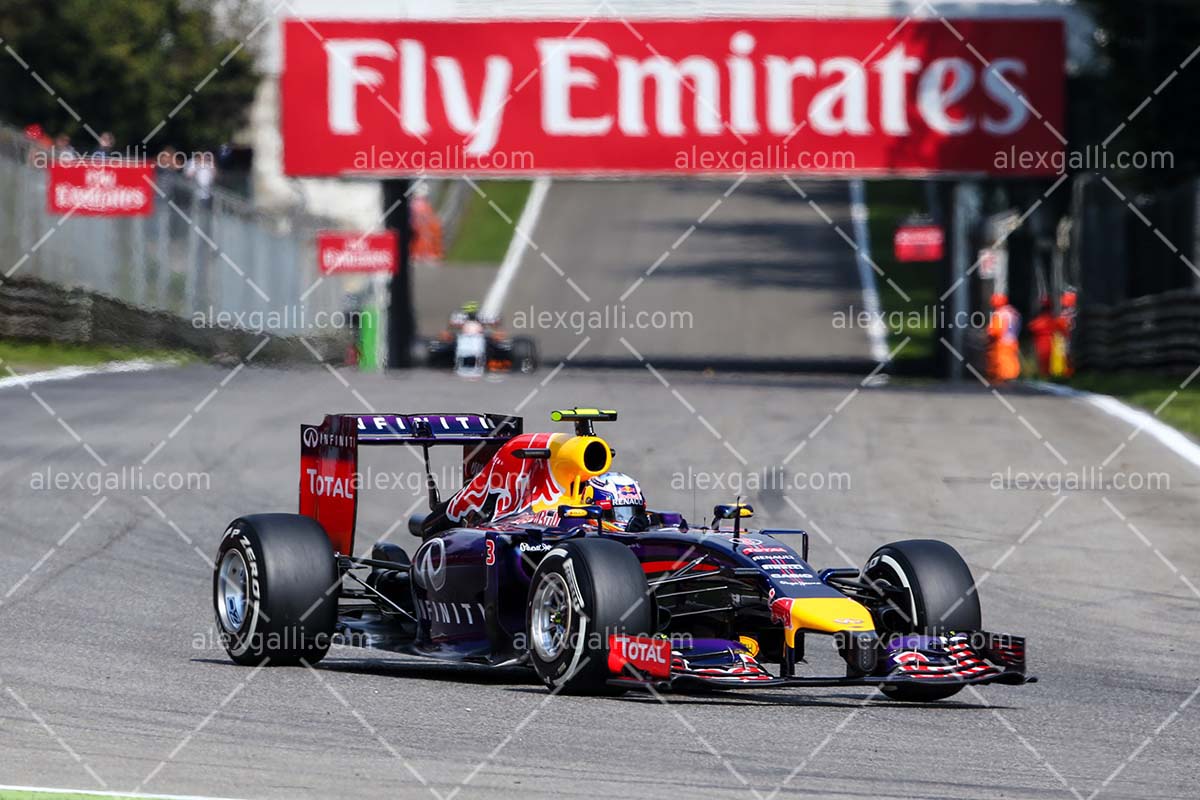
(621, 499)
(470, 309)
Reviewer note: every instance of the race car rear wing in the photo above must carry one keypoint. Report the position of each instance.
(329, 478)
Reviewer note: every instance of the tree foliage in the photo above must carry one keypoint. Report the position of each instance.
(125, 66)
(1143, 44)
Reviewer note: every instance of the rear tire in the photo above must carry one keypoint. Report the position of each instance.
(567, 646)
(942, 598)
(275, 590)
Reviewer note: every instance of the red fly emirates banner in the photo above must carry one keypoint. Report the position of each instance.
(107, 190)
(717, 96)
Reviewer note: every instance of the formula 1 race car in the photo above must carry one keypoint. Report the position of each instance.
(523, 566)
(473, 343)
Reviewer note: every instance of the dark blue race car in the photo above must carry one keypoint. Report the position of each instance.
(527, 564)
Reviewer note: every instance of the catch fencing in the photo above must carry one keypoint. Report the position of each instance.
(1159, 331)
(1133, 257)
(198, 254)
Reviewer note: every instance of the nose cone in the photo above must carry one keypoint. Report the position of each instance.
(821, 615)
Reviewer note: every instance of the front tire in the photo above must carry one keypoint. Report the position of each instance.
(275, 590)
(941, 598)
(524, 355)
(582, 592)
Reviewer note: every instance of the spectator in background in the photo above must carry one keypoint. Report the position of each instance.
(41, 144)
(62, 149)
(106, 144)
(202, 169)
(168, 171)
(168, 160)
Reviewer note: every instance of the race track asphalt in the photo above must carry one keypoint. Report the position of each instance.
(692, 273)
(109, 672)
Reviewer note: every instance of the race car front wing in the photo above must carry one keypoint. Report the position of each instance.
(960, 658)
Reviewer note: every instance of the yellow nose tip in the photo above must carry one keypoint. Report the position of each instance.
(823, 615)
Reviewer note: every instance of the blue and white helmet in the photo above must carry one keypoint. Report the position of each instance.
(620, 496)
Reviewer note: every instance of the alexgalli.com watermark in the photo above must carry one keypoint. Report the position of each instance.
(765, 479)
(1092, 158)
(445, 159)
(134, 479)
(607, 317)
(772, 158)
(287, 318)
(1085, 479)
(922, 318)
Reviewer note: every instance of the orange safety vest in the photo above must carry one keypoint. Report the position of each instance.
(1003, 354)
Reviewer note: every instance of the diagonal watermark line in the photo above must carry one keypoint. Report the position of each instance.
(997, 74)
(1154, 228)
(370, 729)
(201, 405)
(847, 238)
(552, 374)
(1157, 411)
(1033, 751)
(61, 543)
(803, 765)
(62, 743)
(1007, 405)
(1024, 537)
(1152, 547)
(50, 90)
(491, 756)
(57, 418)
(683, 401)
(199, 87)
(28, 254)
(1150, 97)
(241, 273)
(1137, 751)
(1004, 237)
(704, 742)
(845, 401)
(200, 727)
(658, 262)
(179, 532)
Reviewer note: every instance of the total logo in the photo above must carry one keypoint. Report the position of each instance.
(642, 650)
(763, 549)
(328, 485)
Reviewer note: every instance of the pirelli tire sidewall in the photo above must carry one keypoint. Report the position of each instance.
(941, 594)
(615, 599)
(291, 590)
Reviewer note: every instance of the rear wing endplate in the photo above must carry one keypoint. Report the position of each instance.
(329, 479)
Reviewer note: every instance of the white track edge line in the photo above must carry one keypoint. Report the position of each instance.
(1173, 439)
(876, 330)
(70, 373)
(92, 793)
(522, 235)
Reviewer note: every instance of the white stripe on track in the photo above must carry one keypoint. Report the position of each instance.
(70, 373)
(1175, 441)
(87, 793)
(876, 330)
(522, 236)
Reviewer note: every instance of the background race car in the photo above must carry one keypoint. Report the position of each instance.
(473, 345)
